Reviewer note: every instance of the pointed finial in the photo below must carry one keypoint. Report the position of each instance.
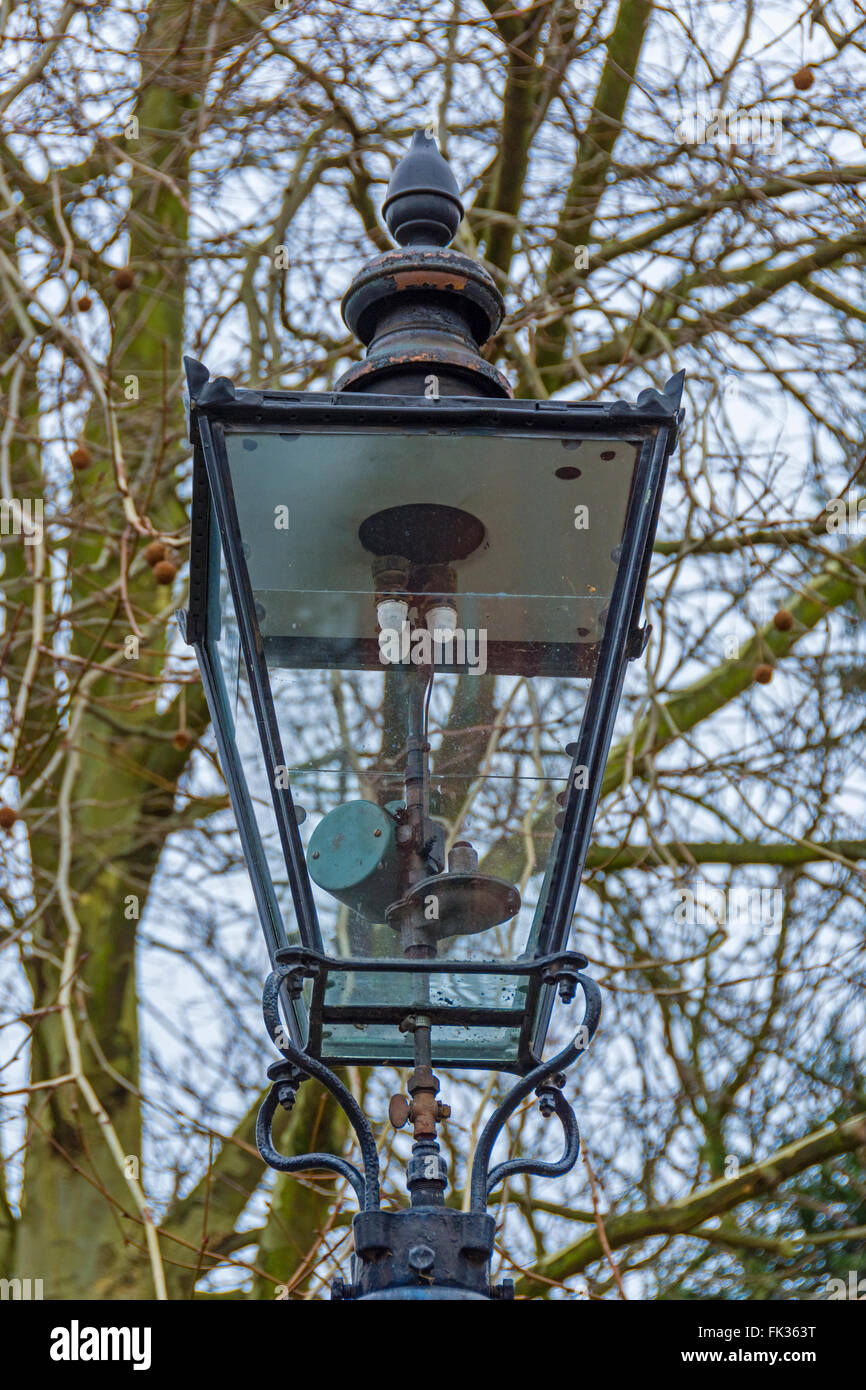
(423, 206)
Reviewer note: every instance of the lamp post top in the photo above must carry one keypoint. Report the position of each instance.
(409, 515)
(424, 311)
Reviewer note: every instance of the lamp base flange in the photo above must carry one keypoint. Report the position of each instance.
(419, 1253)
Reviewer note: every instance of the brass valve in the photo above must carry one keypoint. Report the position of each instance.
(401, 1110)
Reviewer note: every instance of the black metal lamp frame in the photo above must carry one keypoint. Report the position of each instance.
(429, 1251)
(652, 423)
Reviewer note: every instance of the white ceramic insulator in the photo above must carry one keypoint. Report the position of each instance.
(441, 621)
(392, 614)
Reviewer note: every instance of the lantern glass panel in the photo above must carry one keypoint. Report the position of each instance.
(520, 537)
(237, 718)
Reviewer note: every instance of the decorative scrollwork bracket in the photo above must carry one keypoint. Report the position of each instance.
(547, 1081)
(286, 1077)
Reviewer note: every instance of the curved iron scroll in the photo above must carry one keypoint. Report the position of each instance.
(483, 1181)
(366, 1185)
(535, 1167)
(305, 1162)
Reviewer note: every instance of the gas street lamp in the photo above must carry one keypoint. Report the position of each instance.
(413, 601)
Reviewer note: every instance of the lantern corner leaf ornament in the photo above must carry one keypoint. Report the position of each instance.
(413, 601)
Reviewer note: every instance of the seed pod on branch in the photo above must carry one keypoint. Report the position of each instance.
(155, 552)
(81, 457)
(164, 572)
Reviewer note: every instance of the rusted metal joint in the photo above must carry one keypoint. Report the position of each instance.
(401, 1111)
(390, 575)
(431, 586)
(424, 1110)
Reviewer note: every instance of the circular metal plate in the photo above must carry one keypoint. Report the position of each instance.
(426, 533)
(463, 904)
